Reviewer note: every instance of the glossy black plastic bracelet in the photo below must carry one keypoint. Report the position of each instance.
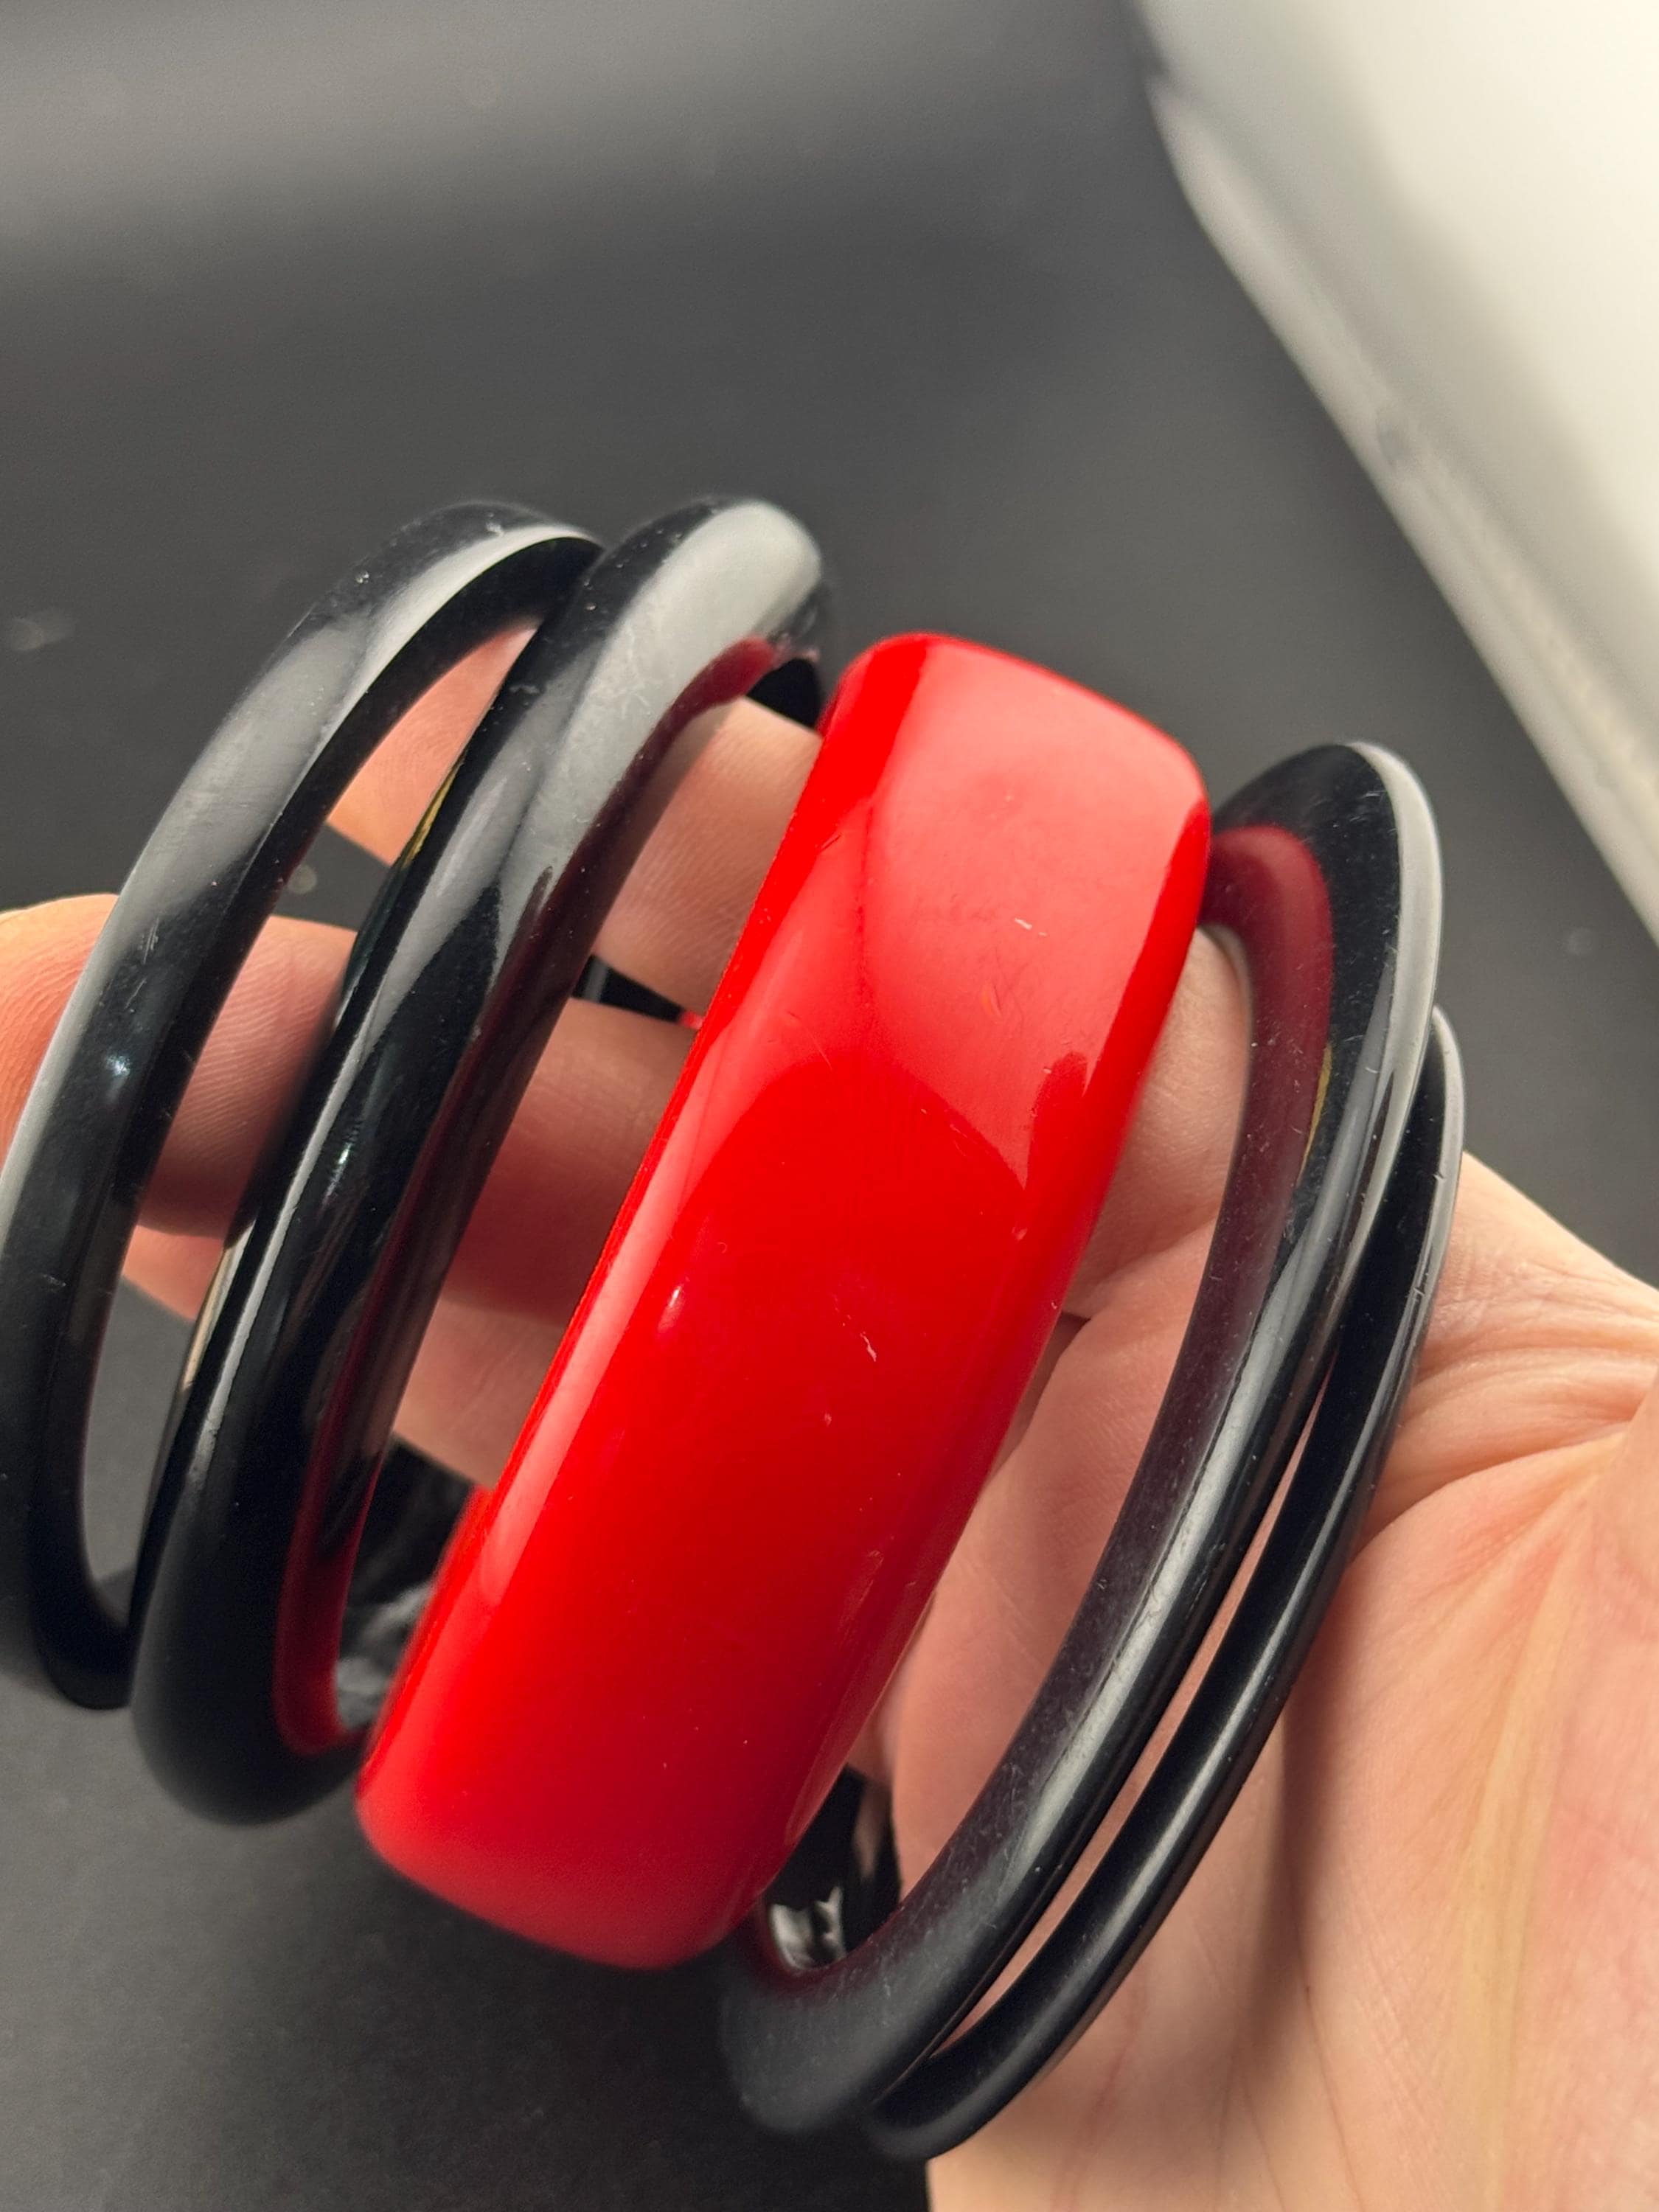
(93, 1125)
(1326, 874)
(478, 940)
(954, 2092)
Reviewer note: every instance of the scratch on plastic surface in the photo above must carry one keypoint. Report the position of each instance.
(813, 1040)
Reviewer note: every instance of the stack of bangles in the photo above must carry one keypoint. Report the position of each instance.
(611, 1711)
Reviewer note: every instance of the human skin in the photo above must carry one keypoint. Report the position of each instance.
(1420, 1967)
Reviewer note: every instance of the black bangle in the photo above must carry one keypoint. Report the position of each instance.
(1326, 872)
(479, 939)
(1242, 1691)
(101, 1104)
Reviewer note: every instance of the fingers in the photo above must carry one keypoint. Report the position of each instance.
(1019, 1572)
(257, 1050)
(680, 913)
(566, 1164)
(682, 907)
(382, 806)
(739, 772)
(478, 1370)
(1169, 1179)
(42, 950)
(556, 1185)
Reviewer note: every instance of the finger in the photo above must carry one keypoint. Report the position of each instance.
(1032, 1543)
(1174, 1166)
(476, 1377)
(560, 1176)
(42, 950)
(737, 774)
(259, 1046)
(699, 874)
(1025, 1558)
(386, 801)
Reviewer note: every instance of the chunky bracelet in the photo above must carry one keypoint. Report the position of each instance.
(654, 1643)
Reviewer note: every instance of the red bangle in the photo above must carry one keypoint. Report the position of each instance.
(652, 1646)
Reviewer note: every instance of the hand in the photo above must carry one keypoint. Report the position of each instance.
(1420, 1967)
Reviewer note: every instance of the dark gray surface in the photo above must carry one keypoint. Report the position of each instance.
(277, 276)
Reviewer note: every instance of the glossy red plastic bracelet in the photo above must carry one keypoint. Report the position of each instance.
(652, 1646)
